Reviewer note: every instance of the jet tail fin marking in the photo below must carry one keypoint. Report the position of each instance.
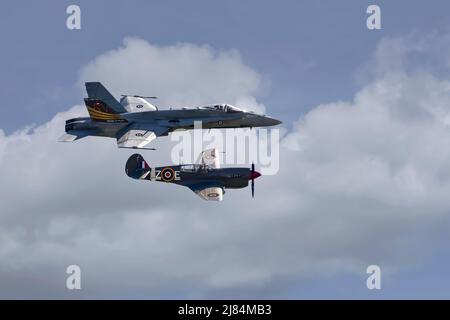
(96, 91)
(101, 105)
(100, 111)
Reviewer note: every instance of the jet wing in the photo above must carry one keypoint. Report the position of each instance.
(209, 157)
(138, 137)
(210, 191)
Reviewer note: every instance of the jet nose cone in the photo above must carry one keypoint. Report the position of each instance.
(275, 122)
(254, 175)
(268, 121)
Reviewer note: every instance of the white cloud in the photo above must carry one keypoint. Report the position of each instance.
(180, 75)
(360, 182)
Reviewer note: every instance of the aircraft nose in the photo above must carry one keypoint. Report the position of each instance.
(254, 175)
(268, 121)
(274, 122)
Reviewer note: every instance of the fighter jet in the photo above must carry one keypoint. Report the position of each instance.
(205, 178)
(135, 122)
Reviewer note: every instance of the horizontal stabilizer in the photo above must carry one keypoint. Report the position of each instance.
(72, 136)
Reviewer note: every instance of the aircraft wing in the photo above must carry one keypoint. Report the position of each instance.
(210, 191)
(138, 137)
(210, 157)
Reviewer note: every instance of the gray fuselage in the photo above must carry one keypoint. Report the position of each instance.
(180, 119)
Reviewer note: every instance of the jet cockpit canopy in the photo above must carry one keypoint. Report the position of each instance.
(223, 107)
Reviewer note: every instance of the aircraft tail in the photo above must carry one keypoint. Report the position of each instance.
(137, 167)
(101, 105)
(72, 136)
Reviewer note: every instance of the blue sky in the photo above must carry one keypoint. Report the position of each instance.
(308, 53)
(307, 50)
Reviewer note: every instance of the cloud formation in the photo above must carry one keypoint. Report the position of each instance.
(181, 75)
(360, 182)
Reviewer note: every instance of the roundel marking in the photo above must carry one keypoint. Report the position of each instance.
(139, 106)
(213, 195)
(167, 174)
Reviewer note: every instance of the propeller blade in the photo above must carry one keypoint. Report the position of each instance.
(253, 180)
(253, 188)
